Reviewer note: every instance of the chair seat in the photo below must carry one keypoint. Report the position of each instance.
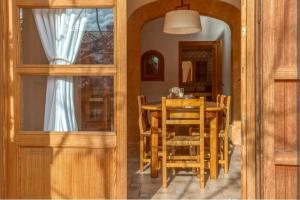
(221, 134)
(148, 132)
(195, 132)
(193, 140)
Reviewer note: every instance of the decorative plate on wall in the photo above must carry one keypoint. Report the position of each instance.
(153, 66)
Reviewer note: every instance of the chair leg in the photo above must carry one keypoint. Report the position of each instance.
(226, 159)
(164, 169)
(142, 153)
(202, 164)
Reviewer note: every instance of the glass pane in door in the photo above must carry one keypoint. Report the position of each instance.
(67, 104)
(67, 36)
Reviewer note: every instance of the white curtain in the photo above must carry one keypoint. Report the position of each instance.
(61, 32)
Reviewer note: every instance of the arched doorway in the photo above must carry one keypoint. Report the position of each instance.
(216, 9)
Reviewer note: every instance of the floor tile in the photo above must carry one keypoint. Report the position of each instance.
(183, 184)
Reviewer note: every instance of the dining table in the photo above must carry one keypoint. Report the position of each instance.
(211, 113)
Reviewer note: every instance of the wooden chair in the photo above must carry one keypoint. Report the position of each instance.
(145, 133)
(220, 100)
(182, 112)
(223, 134)
(224, 122)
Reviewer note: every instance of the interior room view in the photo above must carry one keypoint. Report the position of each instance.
(149, 99)
(184, 56)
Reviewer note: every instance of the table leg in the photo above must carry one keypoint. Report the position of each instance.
(154, 144)
(214, 147)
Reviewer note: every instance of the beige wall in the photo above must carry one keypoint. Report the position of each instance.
(153, 38)
(132, 5)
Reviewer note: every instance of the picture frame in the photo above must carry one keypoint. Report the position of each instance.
(152, 66)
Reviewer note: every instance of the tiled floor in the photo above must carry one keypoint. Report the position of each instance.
(183, 185)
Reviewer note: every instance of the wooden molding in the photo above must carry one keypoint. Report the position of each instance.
(65, 3)
(83, 70)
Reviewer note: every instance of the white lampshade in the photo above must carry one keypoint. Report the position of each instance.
(182, 22)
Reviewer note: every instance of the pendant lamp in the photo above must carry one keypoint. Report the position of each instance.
(182, 21)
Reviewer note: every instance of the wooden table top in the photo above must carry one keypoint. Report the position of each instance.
(210, 106)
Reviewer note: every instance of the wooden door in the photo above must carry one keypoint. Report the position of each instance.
(280, 99)
(88, 162)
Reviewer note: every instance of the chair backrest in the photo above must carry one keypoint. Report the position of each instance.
(143, 115)
(227, 112)
(220, 100)
(183, 112)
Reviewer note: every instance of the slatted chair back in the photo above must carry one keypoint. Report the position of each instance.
(220, 100)
(144, 127)
(224, 133)
(227, 111)
(143, 115)
(221, 103)
(183, 112)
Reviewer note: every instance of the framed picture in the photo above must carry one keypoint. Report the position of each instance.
(153, 66)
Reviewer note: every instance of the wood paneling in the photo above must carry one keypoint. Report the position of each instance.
(66, 173)
(280, 89)
(151, 11)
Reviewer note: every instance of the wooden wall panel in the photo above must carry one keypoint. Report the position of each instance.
(66, 173)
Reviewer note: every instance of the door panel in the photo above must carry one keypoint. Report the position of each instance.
(66, 172)
(280, 89)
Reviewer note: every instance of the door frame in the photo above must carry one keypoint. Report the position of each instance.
(3, 100)
(251, 99)
(7, 72)
(250, 118)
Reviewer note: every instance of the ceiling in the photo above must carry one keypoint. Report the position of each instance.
(132, 5)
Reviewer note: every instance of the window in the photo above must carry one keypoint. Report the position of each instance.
(63, 67)
(96, 39)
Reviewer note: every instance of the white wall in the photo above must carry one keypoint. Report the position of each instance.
(132, 5)
(153, 38)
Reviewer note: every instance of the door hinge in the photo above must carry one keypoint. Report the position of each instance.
(244, 119)
(244, 31)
